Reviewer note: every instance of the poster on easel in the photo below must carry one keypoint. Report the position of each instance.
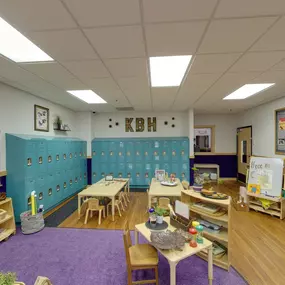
(265, 176)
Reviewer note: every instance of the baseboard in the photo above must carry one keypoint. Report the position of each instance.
(228, 179)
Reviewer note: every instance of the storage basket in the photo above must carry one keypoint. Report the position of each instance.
(3, 214)
(31, 224)
(2, 196)
(180, 223)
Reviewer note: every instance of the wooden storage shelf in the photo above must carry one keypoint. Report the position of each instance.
(222, 262)
(8, 223)
(189, 197)
(277, 209)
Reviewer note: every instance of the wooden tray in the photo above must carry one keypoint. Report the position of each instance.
(214, 198)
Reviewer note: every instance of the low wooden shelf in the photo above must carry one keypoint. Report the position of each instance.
(224, 236)
(8, 223)
(277, 209)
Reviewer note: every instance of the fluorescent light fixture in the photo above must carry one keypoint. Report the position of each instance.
(87, 96)
(17, 47)
(167, 71)
(248, 90)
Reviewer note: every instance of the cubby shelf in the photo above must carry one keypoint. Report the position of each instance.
(224, 237)
(8, 223)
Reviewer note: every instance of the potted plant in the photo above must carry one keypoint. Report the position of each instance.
(58, 122)
(198, 180)
(8, 278)
(159, 215)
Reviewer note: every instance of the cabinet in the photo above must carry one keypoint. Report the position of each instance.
(224, 235)
(137, 158)
(7, 224)
(50, 166)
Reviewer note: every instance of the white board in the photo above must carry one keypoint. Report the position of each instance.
(182, 209)
(268, 173)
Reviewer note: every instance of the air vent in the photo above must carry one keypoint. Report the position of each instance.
(125, 109)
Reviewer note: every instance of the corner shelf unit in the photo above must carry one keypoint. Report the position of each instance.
(189, 197)
(8, 223)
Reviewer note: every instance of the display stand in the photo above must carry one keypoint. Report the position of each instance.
(8, 222)
(190, 197)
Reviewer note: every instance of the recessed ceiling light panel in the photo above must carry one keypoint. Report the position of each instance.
(248, 90)
(17, 47)
(87, 96)
(168, 71)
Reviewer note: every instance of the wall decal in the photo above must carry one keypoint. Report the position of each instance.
(173, 118)
(140, 124)
(110, 126)
(41, 118)
(166, 123)
(117, 124)
(173, 126)
(110, 120)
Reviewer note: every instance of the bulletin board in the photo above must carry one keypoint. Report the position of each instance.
(265, 176)
(280, 131)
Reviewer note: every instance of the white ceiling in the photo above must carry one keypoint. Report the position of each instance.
(104, 45)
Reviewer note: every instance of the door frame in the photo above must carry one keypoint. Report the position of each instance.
(245, 127)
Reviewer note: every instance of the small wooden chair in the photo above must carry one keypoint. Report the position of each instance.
(163, 203)
(153, 202)
(93, 205)
(118, 203)
(139, 256)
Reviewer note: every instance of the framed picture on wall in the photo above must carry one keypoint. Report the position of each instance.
(41, 118)
(280, 131)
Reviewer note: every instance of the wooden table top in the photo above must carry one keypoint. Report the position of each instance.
(174, 255)
(104, 188)
(156, 189)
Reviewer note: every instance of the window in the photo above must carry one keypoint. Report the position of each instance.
(204, 139)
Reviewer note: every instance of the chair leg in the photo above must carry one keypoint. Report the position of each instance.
(104, 213)
(108, 210)
(99, 219)
(125, 200)
(119, 210)
(121, 203)
(156, 274)
(86, 216)
(91, 214)
(130, 279)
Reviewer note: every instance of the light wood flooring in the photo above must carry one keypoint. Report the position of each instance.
(258, 240)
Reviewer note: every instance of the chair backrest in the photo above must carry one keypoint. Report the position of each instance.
(127, 242)
(121, 196)
(163, 202)
(185, 184)
(42, 281)
(93, 204)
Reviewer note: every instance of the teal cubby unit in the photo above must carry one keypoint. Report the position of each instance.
(138, 158)
(46, 165)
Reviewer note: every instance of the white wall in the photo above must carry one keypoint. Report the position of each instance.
(17, 116)
(225, 130)
(101, 124)
(262, 120)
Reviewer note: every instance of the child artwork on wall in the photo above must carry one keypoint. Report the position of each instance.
(41, 118)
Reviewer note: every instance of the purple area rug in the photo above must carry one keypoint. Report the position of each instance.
(88, 257)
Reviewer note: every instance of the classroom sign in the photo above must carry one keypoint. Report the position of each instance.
(265, 176)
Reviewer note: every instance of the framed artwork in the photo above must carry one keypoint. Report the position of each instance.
(160, 174)
(280, 131)
(41, 118)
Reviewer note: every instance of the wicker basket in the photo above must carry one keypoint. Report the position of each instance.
(2, 196)
(3, 214)
(180, 222)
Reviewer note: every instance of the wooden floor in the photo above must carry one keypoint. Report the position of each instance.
(258, 240)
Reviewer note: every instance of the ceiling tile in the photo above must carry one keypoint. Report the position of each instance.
(143, 107)
(173, 38)
(279, 66)
(273, 39)
(178, 10)
(213, 63)
(92, 13)
(259, 61)
(234, 35)
(102, 108)
(37, 15)
(163, 98)
(249, 8)
(271, 76)
(55, 74)
(127, 67)
(136, 89)
(117, 42)
(87, 69)
(64, 45)
(194, 86)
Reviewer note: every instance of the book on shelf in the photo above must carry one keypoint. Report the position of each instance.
(207, 208)
(219, 250)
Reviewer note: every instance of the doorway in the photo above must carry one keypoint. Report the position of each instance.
(244, 151)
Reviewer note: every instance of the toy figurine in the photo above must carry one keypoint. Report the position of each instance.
(193, 232)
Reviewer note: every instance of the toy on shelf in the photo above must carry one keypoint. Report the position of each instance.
(193, 232)
(199, 229)
(33, 202)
